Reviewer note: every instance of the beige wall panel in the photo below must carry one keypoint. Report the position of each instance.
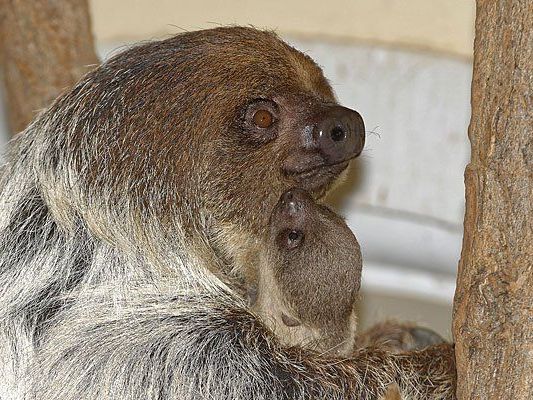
(438, 25)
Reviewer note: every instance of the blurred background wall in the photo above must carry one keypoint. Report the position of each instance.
(406, 67)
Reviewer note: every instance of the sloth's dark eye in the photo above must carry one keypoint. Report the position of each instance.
(259, 121)
(293, 235)
(263, 118)
(294, 238)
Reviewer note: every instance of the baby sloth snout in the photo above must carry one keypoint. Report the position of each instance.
(340, 134)
(293, 211)
(294, 201)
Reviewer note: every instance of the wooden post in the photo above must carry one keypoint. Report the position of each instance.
(46, 46)
(493, 308)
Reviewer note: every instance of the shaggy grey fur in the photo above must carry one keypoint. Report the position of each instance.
(100, 300)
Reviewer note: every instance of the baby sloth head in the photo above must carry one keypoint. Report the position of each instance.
(309, 276)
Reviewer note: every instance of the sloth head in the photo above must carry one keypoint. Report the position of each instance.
(309, 275)
(216, 123)
(281, 126)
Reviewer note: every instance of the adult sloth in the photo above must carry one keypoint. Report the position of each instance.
(129, 214)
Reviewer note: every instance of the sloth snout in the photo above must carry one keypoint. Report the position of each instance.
(340, 134)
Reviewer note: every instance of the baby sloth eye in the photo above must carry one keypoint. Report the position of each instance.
(294, 238)
(290, 321)
(263, 118)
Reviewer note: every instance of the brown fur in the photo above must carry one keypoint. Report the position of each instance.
(311, 282)
(191, 92)
(124, 201)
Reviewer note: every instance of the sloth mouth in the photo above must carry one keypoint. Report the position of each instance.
(319, 178)
(313, 171)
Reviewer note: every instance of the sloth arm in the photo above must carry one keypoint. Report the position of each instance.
(396, 336)
(148, 345)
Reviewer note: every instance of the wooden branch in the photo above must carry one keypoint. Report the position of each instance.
(493, 310)
(46, 46)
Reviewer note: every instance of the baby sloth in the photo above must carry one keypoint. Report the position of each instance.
(309, 276)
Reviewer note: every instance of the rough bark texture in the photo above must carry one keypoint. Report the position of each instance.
(46, 46)
(493, 314)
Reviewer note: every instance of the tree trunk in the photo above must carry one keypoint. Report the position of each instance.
(493, 310)
(46, 46)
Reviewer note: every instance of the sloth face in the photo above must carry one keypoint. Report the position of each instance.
(313, 139)
(221, 121)
(279, 125)
(311, 275)
(315, 258)
(316, 261)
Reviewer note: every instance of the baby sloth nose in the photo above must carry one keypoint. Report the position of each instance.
(293, 200)
(340, 135)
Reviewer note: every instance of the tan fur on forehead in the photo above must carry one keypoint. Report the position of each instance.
(278, 59)
(310, 75)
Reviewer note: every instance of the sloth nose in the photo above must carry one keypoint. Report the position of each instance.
(340, 134)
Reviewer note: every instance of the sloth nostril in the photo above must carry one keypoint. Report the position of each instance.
(337, 134)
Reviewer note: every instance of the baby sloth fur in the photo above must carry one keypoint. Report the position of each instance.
(131, 211)
(309, 276)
